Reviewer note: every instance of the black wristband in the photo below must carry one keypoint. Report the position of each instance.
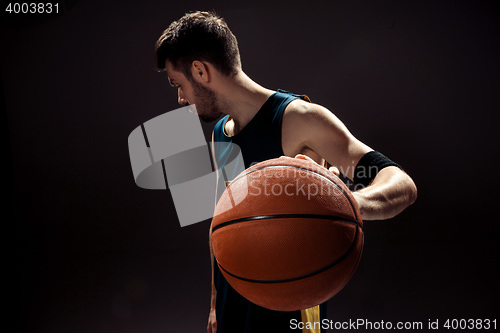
(369, 166)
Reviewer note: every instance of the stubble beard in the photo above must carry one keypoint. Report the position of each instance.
(208, 107)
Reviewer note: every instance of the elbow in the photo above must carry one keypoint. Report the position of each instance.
(411, 190)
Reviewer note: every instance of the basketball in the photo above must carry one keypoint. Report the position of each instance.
(287, 234)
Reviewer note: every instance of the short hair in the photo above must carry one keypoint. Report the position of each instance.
(202, 36)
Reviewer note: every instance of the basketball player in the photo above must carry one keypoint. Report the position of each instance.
(201, 57)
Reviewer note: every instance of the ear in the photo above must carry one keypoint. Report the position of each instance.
(200, 71)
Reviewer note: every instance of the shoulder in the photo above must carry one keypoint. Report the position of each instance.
(302, 108)
(314, 126)
(305, 124)
(300, 113)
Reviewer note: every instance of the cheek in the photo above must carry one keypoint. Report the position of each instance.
(188, 93)
(189, 98)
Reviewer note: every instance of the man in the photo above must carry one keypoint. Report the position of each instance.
(201, 57)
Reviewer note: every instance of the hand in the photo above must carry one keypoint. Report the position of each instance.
(360, 200)
(212, 321)
(305, 157)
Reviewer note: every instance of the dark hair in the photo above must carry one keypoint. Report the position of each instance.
(199, 36)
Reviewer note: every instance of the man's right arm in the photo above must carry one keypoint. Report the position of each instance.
(212, 319)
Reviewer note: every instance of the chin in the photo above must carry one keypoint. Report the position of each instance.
(210, 118)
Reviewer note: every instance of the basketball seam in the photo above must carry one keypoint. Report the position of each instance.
(299, 168)
(284, 216)
(302, 276)
(350, 275)
(329, 217)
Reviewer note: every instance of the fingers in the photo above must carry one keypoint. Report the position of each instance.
(335, 170)
(304, 157)
(300, 156)
(212, 322)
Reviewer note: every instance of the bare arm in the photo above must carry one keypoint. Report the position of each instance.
(311, 127)
(212, 320)
(389, 194)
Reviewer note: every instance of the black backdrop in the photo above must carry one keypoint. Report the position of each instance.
(89, 251)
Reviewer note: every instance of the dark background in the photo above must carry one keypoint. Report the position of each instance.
(89, 251)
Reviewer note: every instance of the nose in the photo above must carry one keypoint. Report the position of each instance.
(181, 98)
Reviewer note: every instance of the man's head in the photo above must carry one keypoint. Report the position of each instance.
(201, 36)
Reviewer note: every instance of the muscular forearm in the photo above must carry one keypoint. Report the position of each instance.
(390, 193)
(213, 292)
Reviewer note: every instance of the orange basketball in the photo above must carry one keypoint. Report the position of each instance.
(287, 234)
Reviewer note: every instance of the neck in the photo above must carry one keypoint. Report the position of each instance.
(242, 98)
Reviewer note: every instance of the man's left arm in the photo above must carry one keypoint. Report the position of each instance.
(315, 128)
(390, 192)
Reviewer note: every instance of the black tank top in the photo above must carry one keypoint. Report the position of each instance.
(259, 140)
